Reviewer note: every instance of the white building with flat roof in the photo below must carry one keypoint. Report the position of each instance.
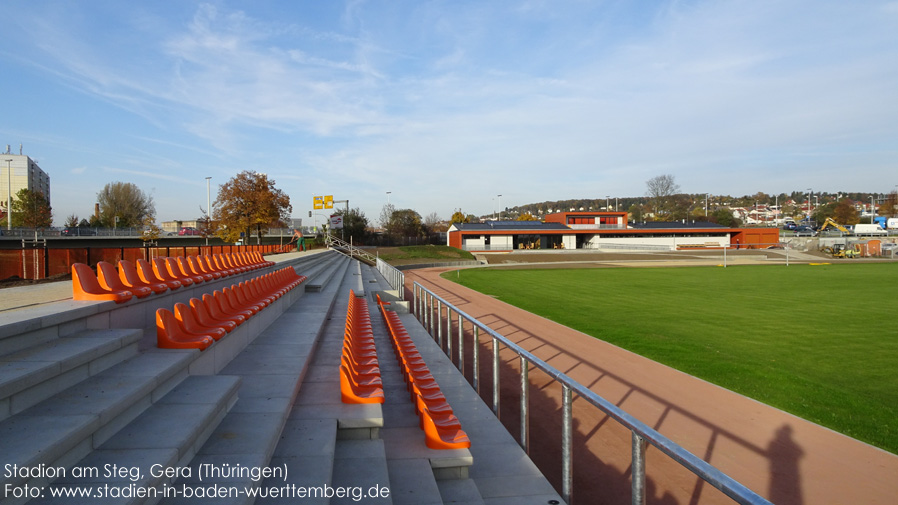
(20, 171)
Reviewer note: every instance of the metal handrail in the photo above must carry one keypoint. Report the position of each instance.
(423, 308)
(336, 243)
(393, 275)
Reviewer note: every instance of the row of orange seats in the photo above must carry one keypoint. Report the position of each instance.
(360, 380)
(157, 276)
(200, 324)
(442, 429)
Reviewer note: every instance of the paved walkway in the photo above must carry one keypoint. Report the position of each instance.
(786, 459)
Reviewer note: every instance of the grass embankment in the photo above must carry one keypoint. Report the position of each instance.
(408, 255)
(820, 342)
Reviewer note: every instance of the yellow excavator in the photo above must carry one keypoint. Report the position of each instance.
(839, 250)
(829, 222)
(842, 251)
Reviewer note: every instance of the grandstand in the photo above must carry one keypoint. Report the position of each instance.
(132, 400)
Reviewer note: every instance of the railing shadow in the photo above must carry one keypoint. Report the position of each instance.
(601, 456)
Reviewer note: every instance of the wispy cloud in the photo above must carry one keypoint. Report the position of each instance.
(533, 99)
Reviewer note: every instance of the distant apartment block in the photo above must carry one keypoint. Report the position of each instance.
(22, 172)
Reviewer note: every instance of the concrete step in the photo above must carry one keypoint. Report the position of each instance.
(501, 471)
(323, 277)
(32, 375)
(272, 368)
(156, 445)
(306, 449)
(361, 471)
(67, 426)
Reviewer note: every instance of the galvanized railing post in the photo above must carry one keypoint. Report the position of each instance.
(449, 334)
(430, 315)
(637, 482)
(567, 476)
(525, 404)
(496, 376)
(439, 323)
(476, 359)
(461, 344)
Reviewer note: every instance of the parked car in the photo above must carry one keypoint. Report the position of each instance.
(804, 231)
(77, 231)
(188, 230)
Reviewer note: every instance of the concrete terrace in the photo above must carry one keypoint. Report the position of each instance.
(87, 401)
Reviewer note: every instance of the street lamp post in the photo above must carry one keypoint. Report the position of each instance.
(388, 197)
(871, 209)
(8, 194)
(607, 198)
(208, 208)
(500, 207)
(810, 191)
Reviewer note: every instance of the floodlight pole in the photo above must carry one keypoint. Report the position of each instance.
(208, 208)
(8, 194)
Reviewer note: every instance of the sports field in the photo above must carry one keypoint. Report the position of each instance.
(820, 342)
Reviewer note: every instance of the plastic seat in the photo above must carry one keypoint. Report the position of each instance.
(352, 392)
(440, 437)
(238, 292)
(171, 335)
(216, 310)
(367, 378)
(109, 280)
(223, 266)
(163, 270)
(127, 273)
(209, 263)
(184, 268)
(201, 313)
(188, 321)
(85, 286)
(229, 297)
(199, 266)
(148, 274)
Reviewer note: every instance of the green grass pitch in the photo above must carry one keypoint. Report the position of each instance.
(820, 342)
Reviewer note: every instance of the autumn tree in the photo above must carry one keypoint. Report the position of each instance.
(125, 201)
(459, 217)
(724, 217)
(526, 216)
(824, 211)
(151, 231)
(355, 224)
(31, 210)
(660, 189)
(386, 213)
(249, 200)
(405, 223)
(845, 213)
(889, 208)
(71, 221)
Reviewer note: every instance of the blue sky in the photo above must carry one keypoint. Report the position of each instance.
(447, 104)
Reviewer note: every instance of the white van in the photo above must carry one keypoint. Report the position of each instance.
(869, 229)
(892, 223)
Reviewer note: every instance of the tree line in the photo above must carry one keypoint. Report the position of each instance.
(247, 203)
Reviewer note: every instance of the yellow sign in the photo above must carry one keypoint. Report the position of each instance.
(323, 202)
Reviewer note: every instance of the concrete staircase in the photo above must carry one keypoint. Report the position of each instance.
(81, 394)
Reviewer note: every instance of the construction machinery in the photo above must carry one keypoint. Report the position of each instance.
(841, 251)
(830, 223)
